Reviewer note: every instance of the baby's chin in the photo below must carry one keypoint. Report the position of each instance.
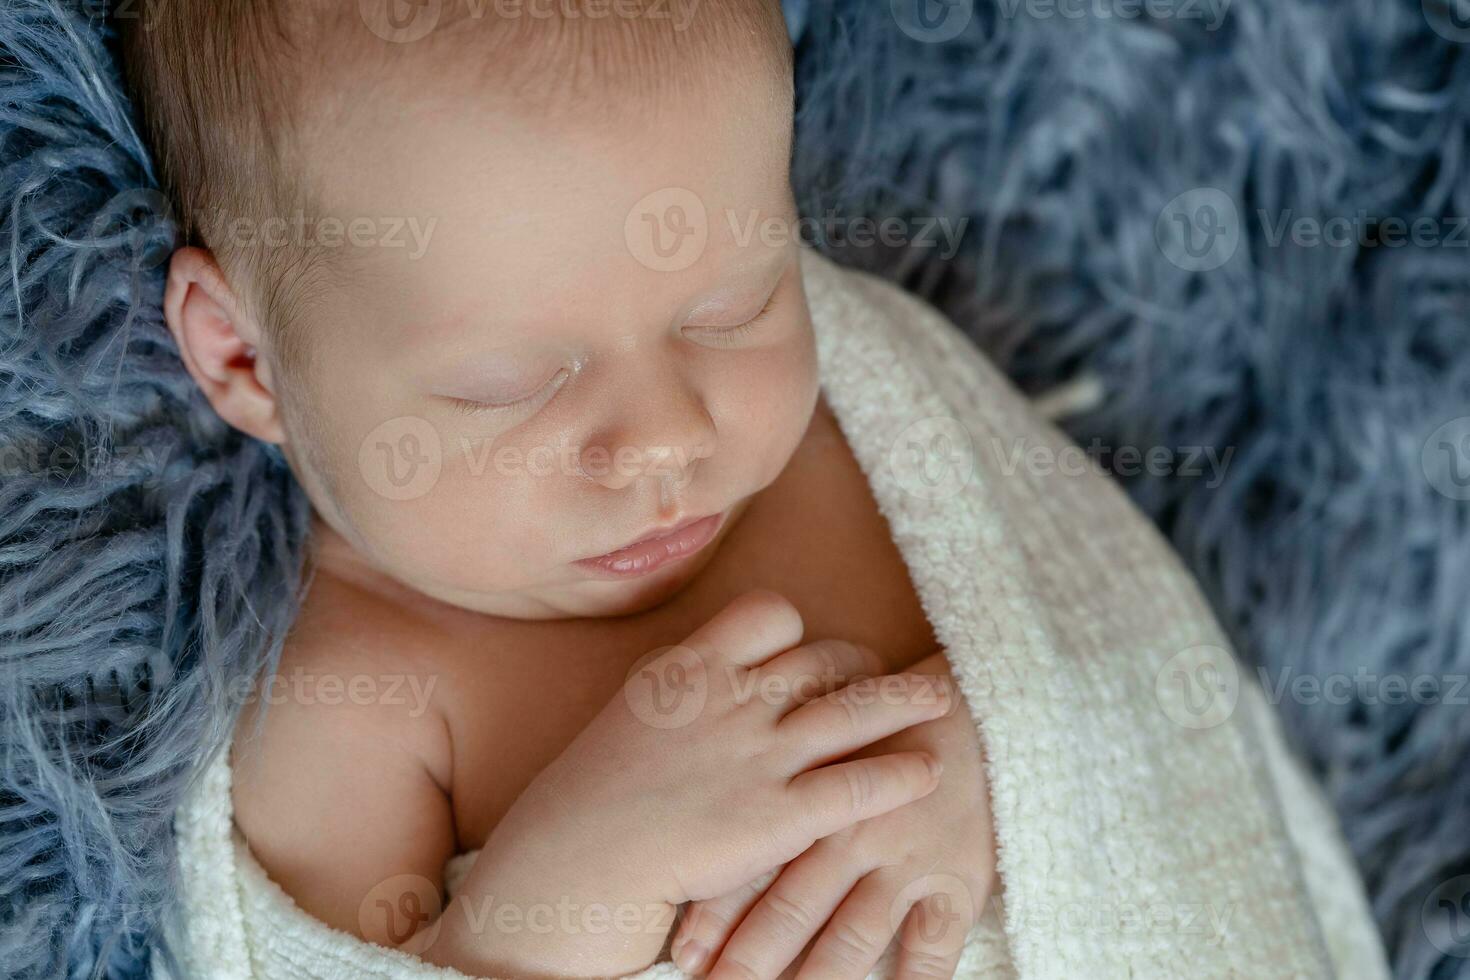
(612, 600)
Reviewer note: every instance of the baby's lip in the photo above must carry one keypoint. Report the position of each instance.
(664, 531)
(663, 546)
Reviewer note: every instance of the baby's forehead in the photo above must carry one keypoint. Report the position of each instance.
(451, 121)
(574, 50)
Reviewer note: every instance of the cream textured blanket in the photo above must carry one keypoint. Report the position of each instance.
(1150, 820)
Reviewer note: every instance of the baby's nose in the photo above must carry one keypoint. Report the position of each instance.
(668, 449)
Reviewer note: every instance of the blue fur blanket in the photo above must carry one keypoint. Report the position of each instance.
(1187, 211)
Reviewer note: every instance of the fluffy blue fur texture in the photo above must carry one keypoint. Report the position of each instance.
(149, 555)
(154, 564)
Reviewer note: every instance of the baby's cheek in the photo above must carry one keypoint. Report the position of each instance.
(462, 529)
(773, 414)
(428, 502)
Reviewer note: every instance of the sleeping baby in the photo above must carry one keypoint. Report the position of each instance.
(635, 482)
(653, 509)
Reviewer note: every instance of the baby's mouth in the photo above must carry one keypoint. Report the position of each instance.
(657, 550)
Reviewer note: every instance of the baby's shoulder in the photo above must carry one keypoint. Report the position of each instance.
(348, 726)
(353, 668)
(357, 683)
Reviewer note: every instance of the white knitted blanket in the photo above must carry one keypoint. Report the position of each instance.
(1150, 820)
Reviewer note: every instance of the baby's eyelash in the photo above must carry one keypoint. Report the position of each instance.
(466, 406)
(741, 331)
(765, 312)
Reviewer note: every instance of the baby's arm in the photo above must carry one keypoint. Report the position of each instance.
(347, 808)
(344, 802)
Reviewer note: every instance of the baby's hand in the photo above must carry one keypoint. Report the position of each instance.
(923, 872)
(712, 767)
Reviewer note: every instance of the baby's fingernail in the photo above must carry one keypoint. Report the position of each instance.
(690, 956)
(944, 697)
(935, 766)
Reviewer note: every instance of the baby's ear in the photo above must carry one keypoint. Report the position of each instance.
(218, 340)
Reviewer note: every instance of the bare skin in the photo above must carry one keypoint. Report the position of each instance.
(509, 695)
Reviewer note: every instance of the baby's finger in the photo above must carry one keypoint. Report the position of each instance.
(932, 938)
(707, 924)
(814, 670)
(775, 931)
(835, 797)
(855, 939)
(860, 714)
(752, 629)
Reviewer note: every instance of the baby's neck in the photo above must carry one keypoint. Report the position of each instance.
(332, 557)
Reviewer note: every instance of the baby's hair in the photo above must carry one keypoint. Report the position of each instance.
(225, 88)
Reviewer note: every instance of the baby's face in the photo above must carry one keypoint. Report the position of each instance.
(578, 360)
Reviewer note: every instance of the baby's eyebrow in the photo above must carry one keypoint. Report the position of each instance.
(768, 263)
(766, 271)
(459, 321)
